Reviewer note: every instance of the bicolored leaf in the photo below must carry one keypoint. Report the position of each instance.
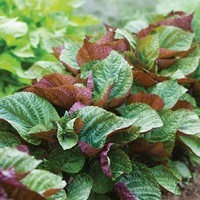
(70, 161)
(59, 90)
(68, 56)
(114, 75)
(19, 160)
(12, 188)
(114, 162)
(42, 68)
(138, 185)
(80, 187)
(145, 116)
(61, 195)
(182, 104)
(8, 139)
(98, 124)
(166, 178)
(101, 183)
(152, 100)
(91, 51)
(43, 182)
(169, 91)
(25, 110)
(185, 65)
(148, 50)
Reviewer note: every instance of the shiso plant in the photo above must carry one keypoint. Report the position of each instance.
(119, 122)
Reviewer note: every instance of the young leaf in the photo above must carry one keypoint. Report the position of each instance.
(70, 161)
(19, 160)
(101, 183)
(98, 124)
(166, 178)
(25, 110)
(173, 38)
(8, 140)
(145, 116)
(66, 134)
(148, 50)
(80, 187)
(43, 182)
(169, 91)
(114, 70)
(140, 184)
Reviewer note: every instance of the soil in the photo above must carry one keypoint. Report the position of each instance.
(190, 191)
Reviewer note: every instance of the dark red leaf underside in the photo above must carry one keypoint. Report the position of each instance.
(78, 125)
(61, 92)
(165, 63)
(88, 150)
(143, 147)
(123, 192)
(46, 135)
(182, 104)
(9, 181)
(104, 160)
(152, 100)
(77, 106)
(57, 51)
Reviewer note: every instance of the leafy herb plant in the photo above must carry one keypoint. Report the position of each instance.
(111, 120)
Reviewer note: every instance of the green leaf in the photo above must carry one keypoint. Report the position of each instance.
(166, 178)
(80, 187)
(196, 23)
(190, 122)
(171, 121)
(21, 161)
(101, 183)
(98, 124)
(174, 38)
(185, 65)
(70, 161)
(119, 163)
(192, 142)
(66, 134)
(169, 91)
(42, 181)
(42, 68)
(25, 110)
(145, 116)
(140, 183)
(148, 50)
(68, 54)
(112, 70)
(135, 26)
(24, 51)
(8, 140)
(12, 66)
(11, 27)
(122, 33)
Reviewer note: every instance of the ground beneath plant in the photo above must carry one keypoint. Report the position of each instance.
(189, 192)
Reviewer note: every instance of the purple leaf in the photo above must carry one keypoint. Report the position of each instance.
(23, 148)
(123, 192)
(77, 106)
(104, 160)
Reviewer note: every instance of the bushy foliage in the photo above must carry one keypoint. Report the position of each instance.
(111, 120)
(28, 35)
